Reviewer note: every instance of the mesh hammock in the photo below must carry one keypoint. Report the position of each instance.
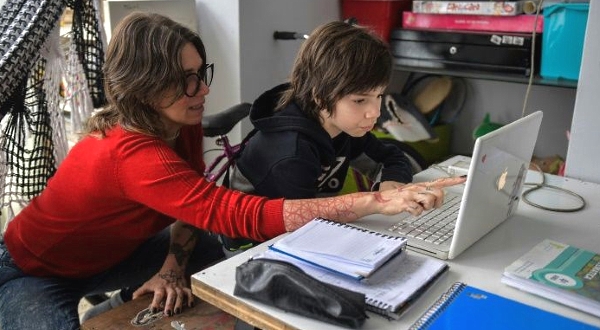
(35, 76)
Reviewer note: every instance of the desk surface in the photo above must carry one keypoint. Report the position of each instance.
(481, 265)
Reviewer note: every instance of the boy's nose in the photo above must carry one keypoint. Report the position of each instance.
(373, 112)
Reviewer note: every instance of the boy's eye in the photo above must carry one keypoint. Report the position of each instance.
(359, 101)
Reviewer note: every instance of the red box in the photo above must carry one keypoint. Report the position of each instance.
(380, 15)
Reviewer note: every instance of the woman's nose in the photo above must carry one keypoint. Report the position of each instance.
(204, 89)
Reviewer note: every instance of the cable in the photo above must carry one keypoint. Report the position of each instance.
(536, 186)
(548, 208)
(532, 65)
(543, 184)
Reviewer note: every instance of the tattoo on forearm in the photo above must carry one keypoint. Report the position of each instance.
(182, 251)
(336, 208)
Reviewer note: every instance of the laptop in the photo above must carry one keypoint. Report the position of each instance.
(495, 176)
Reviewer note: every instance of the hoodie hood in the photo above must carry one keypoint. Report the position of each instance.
(265, 119)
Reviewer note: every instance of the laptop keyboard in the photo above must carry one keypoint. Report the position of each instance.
(435, 226)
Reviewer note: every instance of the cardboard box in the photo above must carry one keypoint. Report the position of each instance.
(380, 15)
(562, 40)
(494, 8)
(454, 22)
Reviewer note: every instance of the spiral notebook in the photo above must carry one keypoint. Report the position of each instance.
(467, 307)
(340, 248)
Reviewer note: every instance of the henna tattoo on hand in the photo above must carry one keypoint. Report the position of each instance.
(170, 277)
(379, 198)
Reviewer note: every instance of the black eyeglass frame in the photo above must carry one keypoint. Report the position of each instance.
(205, 74)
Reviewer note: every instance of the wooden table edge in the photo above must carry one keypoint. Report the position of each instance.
(237, 308)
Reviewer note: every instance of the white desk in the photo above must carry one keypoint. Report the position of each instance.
(481, 265)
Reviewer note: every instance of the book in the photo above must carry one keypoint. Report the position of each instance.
(494, 8)
(519, 23)
(340, 248)
(391, 290)
(467, 307)
(559, 272)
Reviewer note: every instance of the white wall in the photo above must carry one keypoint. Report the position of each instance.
(248, 61)
(238, 35)
(504, 102)
(565, 109)
(181, 11)
(219, 26)
(583, 157)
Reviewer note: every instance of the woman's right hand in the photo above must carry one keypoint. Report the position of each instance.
(415, 197)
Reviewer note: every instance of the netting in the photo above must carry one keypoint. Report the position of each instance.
(89, 40)
(37, 80)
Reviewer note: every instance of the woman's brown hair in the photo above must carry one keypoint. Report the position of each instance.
(142, 67)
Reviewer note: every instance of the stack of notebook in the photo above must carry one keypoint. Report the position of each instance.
(368, 262)
(560, 272)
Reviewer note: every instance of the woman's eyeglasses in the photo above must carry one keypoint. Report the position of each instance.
(192, 80)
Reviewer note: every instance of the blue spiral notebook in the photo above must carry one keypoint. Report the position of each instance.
(466, 307)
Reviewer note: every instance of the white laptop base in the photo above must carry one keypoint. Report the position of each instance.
(491, 194)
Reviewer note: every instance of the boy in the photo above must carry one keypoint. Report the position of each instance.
(310, 130)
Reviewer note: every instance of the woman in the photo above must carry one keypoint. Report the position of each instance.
(125, 205)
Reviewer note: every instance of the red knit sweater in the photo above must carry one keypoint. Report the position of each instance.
(109, 195)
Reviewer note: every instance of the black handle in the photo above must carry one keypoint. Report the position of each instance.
(287, 35)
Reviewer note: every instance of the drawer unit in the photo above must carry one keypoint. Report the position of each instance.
(461, 50)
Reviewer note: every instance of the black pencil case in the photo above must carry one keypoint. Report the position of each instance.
(285, 286)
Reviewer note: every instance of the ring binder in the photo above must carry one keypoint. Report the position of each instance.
(345, 225)
(438, 306)
(464, 306)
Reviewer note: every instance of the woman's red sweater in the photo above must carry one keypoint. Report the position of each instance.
(111, 194)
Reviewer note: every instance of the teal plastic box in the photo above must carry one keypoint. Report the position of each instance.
(562, 40)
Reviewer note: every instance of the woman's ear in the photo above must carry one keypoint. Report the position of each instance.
(316, 99)
(320, 105)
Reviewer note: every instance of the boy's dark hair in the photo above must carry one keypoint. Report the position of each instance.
(337, 59)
